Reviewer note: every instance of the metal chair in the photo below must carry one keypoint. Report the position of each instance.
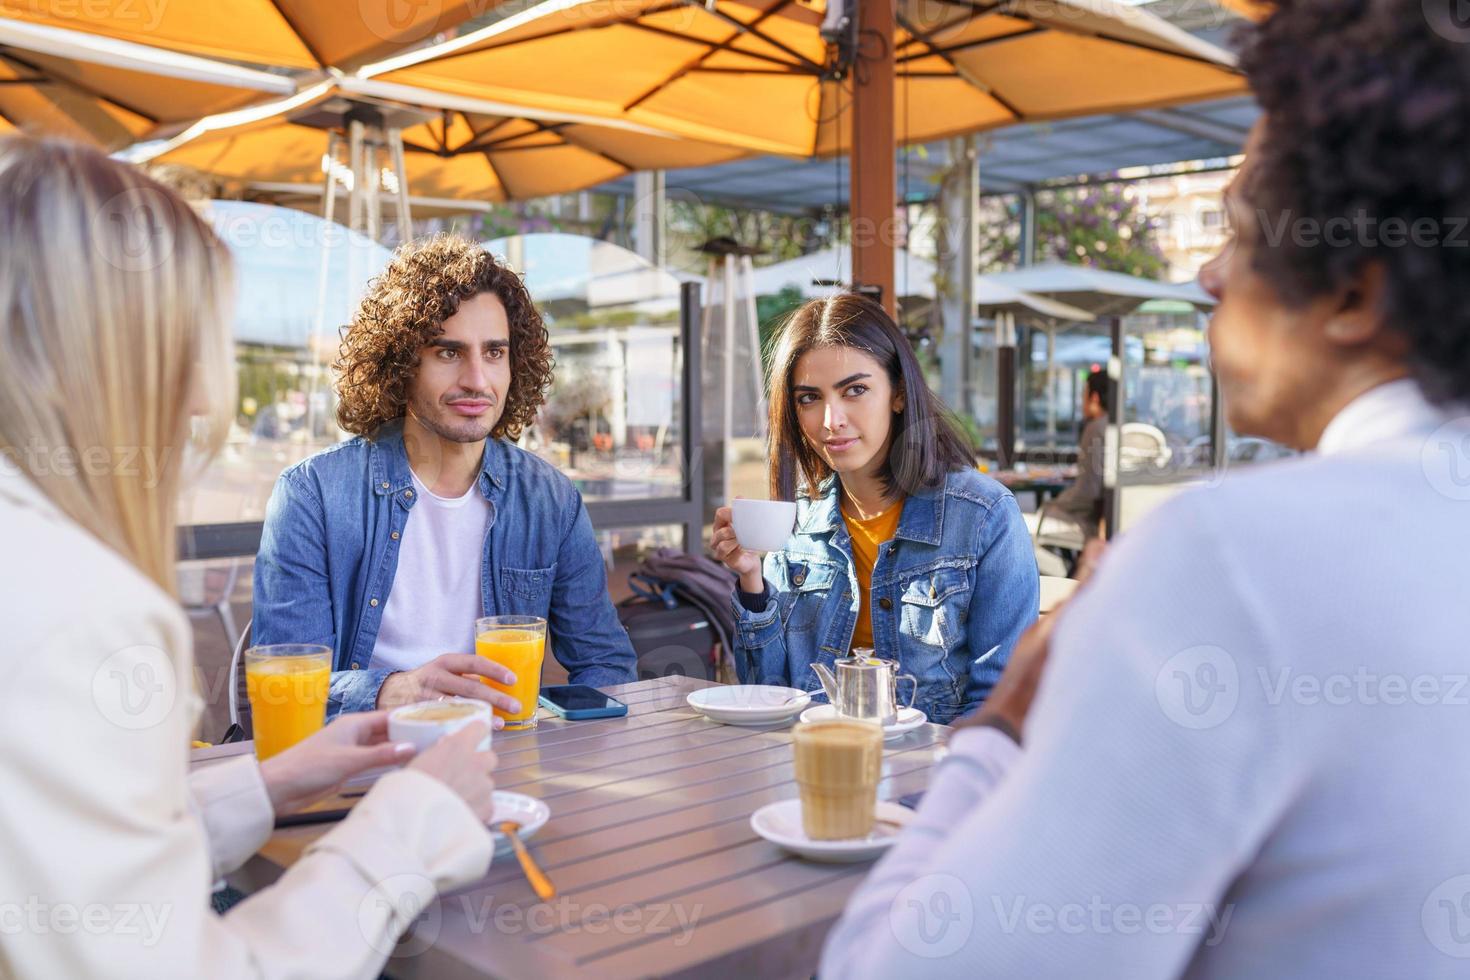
(238, 698)
(1142, 447)
(206, 591)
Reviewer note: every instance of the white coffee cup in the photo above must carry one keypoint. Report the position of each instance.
(763, 525)
(427, 722)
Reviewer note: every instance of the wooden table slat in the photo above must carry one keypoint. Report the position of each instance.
(650, 818)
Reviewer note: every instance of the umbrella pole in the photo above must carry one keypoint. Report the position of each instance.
(354, 154)
(329, 208)
(752, 323)
(728, 302)
(1051, 389)
(395, 148)
(872, 173)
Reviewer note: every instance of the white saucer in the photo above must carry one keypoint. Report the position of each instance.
(780, 823)
(527, 811)
(908, 719)
(749, 704)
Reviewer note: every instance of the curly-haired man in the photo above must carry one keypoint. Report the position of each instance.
(389, 546)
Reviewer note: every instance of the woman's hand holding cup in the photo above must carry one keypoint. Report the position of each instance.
(726, 548)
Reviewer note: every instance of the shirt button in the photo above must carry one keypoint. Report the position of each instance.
(354, 666)
(408, 495)
(394, 535)
(372, 602)
(885, 603)
(385, 485)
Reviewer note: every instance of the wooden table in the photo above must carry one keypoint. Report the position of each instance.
(650, 847)
(1044, 481)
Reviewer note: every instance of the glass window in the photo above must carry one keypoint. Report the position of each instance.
(611, 420)
(289, 310)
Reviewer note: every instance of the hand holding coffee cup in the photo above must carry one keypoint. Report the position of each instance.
(426, 722)
(747, 527)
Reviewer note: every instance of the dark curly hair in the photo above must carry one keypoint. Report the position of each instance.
(405, 309)
(1367, 121)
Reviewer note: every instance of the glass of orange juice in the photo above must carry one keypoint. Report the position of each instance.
(519, 643)
(287, 684)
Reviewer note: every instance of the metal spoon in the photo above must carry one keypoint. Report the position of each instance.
(540, 884)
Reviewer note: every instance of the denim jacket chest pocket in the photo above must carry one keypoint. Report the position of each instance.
(934, 604)
(811, 584)
(528, 590)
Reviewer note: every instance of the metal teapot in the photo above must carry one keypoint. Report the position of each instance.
(865, 687)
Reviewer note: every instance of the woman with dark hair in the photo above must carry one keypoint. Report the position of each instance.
(901, 545)
(1248, 753)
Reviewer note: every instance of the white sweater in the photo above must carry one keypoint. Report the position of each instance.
(107, 852)
(1249, 755)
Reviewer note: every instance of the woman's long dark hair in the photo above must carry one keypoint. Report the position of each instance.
(927, 443)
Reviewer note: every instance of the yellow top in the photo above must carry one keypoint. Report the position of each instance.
(867, 535)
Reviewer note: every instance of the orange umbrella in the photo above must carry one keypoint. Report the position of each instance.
(286, 33)
(61, 83)
(1252, 9)
(447, 154)
(761, 74)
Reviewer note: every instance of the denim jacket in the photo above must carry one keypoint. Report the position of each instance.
(958, 579)
(330, 548)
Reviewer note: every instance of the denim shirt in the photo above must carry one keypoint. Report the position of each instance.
(958, 579)
(330, 548)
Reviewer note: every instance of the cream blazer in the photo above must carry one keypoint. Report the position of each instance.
(108, 846)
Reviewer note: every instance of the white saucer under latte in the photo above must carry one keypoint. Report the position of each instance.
(908, 719)
(780, 823)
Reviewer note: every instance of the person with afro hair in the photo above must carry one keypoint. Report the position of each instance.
(1243, 748)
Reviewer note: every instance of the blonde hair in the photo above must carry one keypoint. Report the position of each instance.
(115, 352)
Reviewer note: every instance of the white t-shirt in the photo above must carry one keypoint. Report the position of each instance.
(435, 598)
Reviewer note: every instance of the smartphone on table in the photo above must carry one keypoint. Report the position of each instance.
(578, 702)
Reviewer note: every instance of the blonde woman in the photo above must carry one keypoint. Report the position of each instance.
(113, 348)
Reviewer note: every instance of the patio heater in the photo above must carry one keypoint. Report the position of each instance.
(374, 145)
(731, 335)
